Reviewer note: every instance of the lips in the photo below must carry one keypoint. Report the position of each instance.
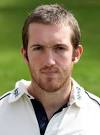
(49, 71)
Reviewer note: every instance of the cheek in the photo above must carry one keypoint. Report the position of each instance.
(35, 64)
(65, 60)
(34, 56)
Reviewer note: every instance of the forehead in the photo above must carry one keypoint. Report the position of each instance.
(49, 33)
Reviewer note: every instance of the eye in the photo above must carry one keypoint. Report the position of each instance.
(37, 47)
(60, 48)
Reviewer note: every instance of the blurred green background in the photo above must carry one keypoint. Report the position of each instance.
(12, 16)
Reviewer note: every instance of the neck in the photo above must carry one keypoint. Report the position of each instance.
(51, 101)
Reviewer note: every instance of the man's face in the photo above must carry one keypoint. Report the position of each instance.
(50, 55)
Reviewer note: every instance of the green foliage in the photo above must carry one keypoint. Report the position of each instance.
(12, 16)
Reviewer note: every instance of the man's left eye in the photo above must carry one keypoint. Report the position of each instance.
(60, 48)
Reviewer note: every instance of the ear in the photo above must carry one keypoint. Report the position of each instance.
(24, 54)
(77, 54)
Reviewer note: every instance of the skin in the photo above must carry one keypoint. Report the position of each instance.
(50, 60)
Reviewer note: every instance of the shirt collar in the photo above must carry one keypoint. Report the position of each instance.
(19, 91)
(76, 96)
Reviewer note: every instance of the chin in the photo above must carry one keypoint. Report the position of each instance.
(50, 87)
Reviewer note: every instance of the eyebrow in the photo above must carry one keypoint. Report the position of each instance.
(55, 45)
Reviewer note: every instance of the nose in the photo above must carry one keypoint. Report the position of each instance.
(49, 58)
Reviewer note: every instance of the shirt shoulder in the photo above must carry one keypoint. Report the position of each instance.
(84, 97)
(93, 98)
(4, 101)
(18, 91)
(5, 96)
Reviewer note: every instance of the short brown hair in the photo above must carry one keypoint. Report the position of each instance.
(52, 14)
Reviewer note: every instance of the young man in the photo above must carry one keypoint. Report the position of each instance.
(52, 103)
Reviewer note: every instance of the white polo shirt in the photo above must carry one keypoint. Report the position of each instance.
(81, 117)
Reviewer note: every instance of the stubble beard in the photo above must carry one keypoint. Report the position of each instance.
(48, 85)
(51, 84)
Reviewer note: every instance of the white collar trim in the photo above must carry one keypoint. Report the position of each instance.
(76, 97)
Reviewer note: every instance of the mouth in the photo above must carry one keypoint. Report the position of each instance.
(49, 71)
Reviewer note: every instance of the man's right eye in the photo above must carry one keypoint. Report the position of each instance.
(36, 48)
